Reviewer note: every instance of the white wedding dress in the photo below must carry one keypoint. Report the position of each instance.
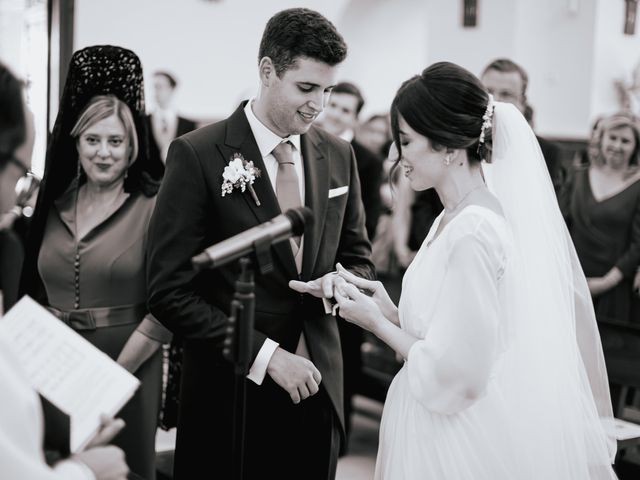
(507, 379)
(444, 416)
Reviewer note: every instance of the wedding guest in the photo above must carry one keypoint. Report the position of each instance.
(382, 254)
(604, 216)
(21, 415)
(375, 134)
(507, 82)
(16, 130)
(86, 251)
(164, 123)
(340, 117)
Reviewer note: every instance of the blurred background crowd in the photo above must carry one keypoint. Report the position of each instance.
(571, 67)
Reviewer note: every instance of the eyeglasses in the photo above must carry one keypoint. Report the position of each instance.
(26, 186)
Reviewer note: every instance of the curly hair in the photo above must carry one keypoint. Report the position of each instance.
(300, 32)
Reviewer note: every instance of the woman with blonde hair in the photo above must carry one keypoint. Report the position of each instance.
(603, 215)
(86, 251)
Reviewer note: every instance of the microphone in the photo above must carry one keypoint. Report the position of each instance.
(289, 224)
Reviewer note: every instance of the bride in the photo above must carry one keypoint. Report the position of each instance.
(504, 376)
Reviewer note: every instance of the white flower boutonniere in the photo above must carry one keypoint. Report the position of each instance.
(240, 174)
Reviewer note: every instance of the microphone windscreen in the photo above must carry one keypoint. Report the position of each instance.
(300, 218)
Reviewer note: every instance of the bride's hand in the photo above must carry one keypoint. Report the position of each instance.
(358, 308)
(375, 289)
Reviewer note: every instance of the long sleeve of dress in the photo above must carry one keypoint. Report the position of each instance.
(450, 368)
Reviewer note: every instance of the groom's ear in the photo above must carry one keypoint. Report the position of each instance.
(266, 70)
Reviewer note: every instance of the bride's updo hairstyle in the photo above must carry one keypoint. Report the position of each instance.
(446, 104)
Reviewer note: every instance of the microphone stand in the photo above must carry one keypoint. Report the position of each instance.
(237, 344)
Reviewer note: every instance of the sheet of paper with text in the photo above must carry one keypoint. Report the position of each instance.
(65, 368)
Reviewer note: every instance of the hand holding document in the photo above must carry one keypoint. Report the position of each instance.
(66, 369)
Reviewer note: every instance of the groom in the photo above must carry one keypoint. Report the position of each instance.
(294, 394)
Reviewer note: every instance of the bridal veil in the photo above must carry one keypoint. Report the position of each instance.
(553, 369)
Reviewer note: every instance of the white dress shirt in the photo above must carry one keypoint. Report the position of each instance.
(267, 141)
(167, 118)
(347, 135)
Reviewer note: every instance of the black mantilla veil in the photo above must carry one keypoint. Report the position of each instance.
(95, 70)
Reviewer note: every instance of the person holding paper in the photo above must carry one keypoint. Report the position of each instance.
(85, 254)
(21, 430)
(21, 416)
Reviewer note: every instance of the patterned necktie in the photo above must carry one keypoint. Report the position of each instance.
(287, 188)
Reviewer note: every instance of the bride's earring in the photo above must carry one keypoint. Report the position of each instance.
(447, 159)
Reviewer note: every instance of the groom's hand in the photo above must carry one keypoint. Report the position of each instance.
(322, 287)
(297, 375)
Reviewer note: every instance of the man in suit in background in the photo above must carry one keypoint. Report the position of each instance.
(164, 123)
(507, 82)
(340, 117)
(294, 397)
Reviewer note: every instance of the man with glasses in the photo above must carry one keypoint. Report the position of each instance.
(17, 186)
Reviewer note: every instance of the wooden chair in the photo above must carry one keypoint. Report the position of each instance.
(627, 421)
(621, 344)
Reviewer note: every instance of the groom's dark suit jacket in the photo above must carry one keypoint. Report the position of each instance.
(191, 214)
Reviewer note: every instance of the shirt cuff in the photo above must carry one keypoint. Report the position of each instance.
(73, 470)
(258, 370)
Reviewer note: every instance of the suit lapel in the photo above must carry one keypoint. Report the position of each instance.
(316, 174)
(239, 138)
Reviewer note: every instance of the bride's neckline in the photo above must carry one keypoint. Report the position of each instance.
(465, 208)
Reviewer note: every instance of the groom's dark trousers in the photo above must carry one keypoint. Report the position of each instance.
(282, 440)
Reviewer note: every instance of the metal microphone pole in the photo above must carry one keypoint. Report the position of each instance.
(238, 342)
(237, 349)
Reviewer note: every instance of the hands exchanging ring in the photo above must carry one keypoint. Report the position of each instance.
(362, 302)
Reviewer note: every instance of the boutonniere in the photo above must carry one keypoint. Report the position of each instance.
(240, 174)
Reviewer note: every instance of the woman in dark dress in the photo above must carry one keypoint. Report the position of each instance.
(604, 217)
(86, 253)
(604, 220)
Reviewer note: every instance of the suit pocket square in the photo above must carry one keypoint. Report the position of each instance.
(336, 192)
